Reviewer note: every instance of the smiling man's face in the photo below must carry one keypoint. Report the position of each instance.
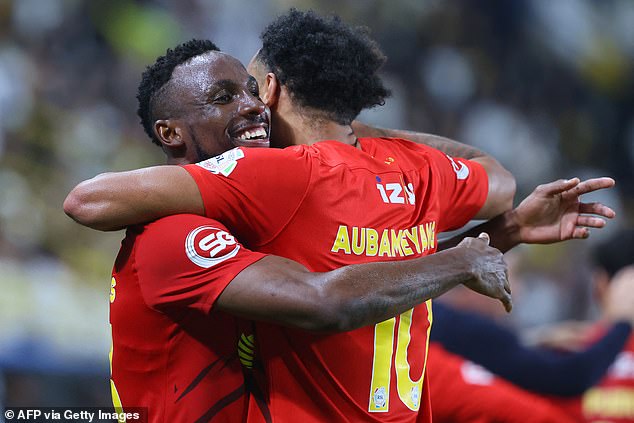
(220, 106)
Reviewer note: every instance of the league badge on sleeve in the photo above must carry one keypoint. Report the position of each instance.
(207, 246)
(223, 164)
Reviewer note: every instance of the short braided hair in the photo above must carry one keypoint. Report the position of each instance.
(157, 75)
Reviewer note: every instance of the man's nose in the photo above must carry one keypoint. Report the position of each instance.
(251, 105)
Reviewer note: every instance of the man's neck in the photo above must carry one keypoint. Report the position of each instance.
(310, 134)
(305, 130)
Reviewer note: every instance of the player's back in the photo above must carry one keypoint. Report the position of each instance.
(328, 205)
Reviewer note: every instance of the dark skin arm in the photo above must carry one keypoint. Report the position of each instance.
(501, 181)
(553, 212)
(284, 292)
(102, 203)
(112, 201)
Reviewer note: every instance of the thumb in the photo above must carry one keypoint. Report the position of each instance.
(484, 237)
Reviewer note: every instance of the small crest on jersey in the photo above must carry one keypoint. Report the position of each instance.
(415, 395)
(461, 169)
(207, 246)
(380, 397)
(223, 164)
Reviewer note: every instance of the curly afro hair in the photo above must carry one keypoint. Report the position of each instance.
(326, 65)
(157, 75)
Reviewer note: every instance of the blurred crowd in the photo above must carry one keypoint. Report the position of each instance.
(547, 87)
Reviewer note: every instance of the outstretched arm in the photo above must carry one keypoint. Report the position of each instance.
(501, 181)
(282, 291)
(112, 201)
(553, 212)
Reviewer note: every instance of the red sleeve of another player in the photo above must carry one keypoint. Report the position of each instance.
(186, 261)
(464, 186)
(254, 192)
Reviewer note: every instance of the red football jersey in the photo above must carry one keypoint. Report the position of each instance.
(172, 353)
(329, 205)
(463, 391)
(612, 400)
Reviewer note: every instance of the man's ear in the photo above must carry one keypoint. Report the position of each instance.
(271, 91)
(169, 133)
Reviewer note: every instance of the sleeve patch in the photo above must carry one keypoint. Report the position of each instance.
(461, 169)
(207, 246)
(223, 164)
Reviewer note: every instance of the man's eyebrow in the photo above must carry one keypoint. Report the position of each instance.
(223, 83)
(231, 84)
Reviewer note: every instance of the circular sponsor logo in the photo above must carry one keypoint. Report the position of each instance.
(207, 246)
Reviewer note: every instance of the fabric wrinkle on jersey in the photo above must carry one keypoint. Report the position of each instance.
(172, 353)
(329, 205)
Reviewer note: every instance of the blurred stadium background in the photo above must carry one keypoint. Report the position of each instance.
(545, 86)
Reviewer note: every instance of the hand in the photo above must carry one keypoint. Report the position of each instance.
(553, 212)
(619, 302)
(489, 269)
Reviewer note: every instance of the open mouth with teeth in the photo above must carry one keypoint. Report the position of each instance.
(255, 136)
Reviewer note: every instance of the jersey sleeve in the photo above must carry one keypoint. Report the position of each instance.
(254, 192)
(464, 186)
(186, 261)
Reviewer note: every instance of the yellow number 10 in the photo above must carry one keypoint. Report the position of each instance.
(409, 391)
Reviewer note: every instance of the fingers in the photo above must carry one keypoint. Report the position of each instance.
(581, 233)
(559, 186)
(507, 302)
(590, 185)
(597, 208)
(590, 222)
(506, 295)
(507, 284)
(485, 237)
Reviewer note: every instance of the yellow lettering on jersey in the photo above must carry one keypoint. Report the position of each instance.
(430, 228)
(397, 246)
(423, 238)
(405, 248)
(384, 247)
(381, 364)
(609, 403)
(113, 292)
(373, 246)
(342, 241)
(391, 242)
(412, 235)
(358, 241)
(409, 391)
